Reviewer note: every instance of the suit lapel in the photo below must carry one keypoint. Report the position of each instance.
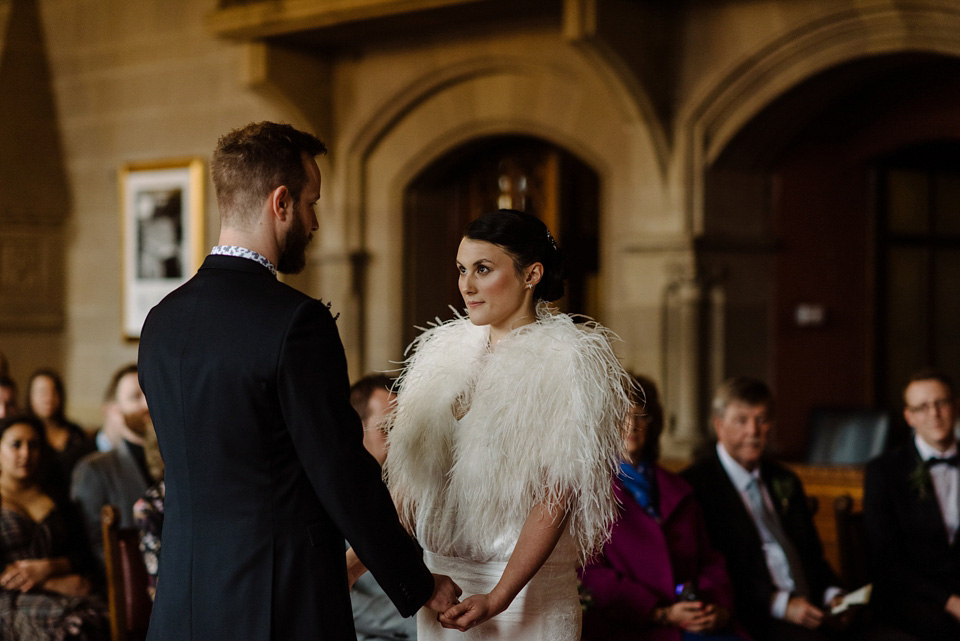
(129, 470)
(729, 497)
(927, 510)
(780, 488)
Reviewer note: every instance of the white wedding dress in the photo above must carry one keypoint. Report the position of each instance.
(541, 424)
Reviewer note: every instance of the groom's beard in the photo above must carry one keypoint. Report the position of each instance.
(293, 255)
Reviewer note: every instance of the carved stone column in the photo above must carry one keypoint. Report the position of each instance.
(684, 345)
(34, 196)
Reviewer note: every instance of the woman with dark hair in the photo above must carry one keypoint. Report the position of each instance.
(46, 400)
(42, 596)
(658, 577)
(506, 432)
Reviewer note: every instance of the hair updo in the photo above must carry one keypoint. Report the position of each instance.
(527, 240)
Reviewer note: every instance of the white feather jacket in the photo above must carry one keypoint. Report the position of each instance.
(543, 423)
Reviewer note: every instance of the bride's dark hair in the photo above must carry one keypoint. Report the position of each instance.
(528, 241)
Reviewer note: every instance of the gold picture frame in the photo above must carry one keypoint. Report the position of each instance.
(161, 227)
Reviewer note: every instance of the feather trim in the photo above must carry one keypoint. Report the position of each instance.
(544, 425)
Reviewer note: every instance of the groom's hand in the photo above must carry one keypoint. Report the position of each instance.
(446, 593)
(472, 612)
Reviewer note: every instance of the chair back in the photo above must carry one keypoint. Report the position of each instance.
(851, 543)
(127, 596)
(844, 436)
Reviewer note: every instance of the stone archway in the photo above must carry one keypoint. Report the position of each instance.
(793, 232)
(465, 101)
(724, 107)
(513, 172)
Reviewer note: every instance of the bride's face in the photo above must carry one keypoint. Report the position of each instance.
(494, 293)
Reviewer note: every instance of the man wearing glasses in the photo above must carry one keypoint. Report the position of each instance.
(911, 510)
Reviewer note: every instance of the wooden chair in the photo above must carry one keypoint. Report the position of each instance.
(851, 542)
(127, 597)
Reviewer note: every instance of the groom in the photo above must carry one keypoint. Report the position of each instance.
(266, 473)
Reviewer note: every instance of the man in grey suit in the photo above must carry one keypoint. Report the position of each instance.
(118, 477)
(374, 616)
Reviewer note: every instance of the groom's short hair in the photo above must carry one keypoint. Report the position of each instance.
(252, 161)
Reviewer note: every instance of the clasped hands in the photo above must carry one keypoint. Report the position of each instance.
(462, 615)
(25, 574)
(697, 616)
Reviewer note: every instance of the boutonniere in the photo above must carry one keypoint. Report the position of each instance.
(920, 481)
(329, 305)
(784, 489)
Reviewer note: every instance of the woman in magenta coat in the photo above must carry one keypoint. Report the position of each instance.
(658, 577)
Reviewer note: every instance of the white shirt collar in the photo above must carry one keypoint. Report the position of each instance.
(928, 451)
(740, 476)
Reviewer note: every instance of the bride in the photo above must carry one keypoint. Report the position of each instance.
(504, 438)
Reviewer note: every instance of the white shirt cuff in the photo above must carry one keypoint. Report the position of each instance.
(831, 592)
(778, 606)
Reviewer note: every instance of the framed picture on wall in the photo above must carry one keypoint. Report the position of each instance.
(161, 223)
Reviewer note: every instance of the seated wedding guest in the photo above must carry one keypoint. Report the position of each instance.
(8, 396)
(118, 477)
(757, 515)
(121, 399)
(148, 511)
(46, 399)
(911, 509)
(42, 595)
(374, 615)
(658, 578)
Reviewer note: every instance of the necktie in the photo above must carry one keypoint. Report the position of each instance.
(948, 460)
(771, 532)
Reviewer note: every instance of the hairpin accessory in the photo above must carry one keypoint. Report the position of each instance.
(553, 243)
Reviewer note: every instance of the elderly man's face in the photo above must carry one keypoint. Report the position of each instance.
(743, 430)
(931, 410)
(8, 401)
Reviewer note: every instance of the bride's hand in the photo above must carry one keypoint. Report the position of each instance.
(471, 612)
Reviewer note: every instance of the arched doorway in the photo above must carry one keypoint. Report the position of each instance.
(918, 263)
(797, 214)
(511, 171)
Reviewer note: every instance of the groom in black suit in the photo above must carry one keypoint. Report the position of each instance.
(911, 509)
(757, 517)
(266, 472)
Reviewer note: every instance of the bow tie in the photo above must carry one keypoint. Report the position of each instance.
(947, 460)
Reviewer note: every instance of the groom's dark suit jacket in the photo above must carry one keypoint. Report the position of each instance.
(266, 473)
(734, 535)
(910, 553)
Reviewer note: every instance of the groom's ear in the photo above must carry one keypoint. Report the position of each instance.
(280, 203)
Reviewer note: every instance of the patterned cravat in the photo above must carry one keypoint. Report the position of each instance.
(243, 252)
(771, 532)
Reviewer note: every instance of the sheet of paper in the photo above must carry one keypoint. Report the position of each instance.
(857, 597)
